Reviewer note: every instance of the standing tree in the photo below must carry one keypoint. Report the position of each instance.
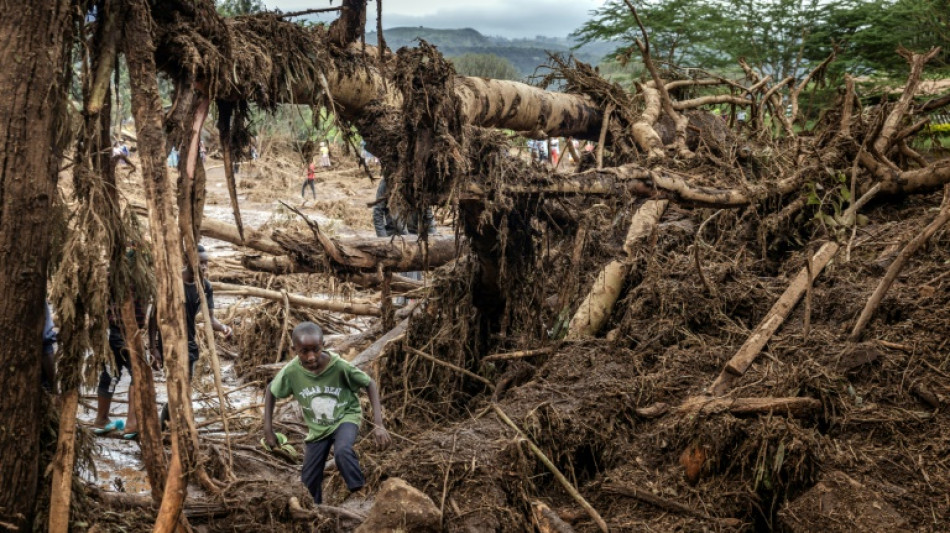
(34, 73)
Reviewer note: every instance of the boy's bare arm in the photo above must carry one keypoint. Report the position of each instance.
(380, 435)
(269, 437)
(218, 326)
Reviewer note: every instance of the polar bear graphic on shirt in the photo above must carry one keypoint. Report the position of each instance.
(323, 408)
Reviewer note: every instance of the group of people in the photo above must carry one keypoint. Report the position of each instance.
(110, 375)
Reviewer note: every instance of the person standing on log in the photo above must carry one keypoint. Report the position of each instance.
(326, 387)
(192, 309)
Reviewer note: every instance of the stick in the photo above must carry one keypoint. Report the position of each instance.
(875, 300)
(603, 135)
(795, 406)
(664, 503)
(310, 12)
(283, 330)
(446, 364)
(520, 354)
(553, 469)
(753, 345)
(351, 308)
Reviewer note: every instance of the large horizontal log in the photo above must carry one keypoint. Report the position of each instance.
(272, 48)
(298, 252)
(338, 306)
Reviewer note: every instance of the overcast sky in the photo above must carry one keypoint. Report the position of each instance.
(508, 18)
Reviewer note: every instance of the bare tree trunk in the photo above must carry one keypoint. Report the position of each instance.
(167, 254)
(34, 38)
(63, 464)
(150, 434)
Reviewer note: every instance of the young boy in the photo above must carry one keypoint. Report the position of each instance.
(326, 388)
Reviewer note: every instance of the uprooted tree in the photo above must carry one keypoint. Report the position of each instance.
(434, 134)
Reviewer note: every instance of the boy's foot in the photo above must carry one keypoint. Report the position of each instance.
(112, 425)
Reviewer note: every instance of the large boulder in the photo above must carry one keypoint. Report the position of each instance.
(401, 508)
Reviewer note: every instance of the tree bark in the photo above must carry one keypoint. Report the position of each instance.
(63, 464)
(34, 38)
(167, 254)
(145, 405)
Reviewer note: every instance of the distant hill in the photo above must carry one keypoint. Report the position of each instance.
(525, 54)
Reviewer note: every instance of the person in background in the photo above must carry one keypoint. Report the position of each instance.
(324, 155)
(47, 363)
(309, 182)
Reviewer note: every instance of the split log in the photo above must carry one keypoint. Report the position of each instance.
(228, 233)
(793, 407)
(337, 306)
(376, 349)
(875, 300)
(599, 302)
(750, 350)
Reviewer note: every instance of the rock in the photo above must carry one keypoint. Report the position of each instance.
(401, 508)
(840, 503)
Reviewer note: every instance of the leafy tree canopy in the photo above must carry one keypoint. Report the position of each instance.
(777, 37)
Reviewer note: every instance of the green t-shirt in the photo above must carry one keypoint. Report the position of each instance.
(328, 399)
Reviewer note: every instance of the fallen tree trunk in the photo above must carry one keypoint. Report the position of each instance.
(298, 252)
(351, 308)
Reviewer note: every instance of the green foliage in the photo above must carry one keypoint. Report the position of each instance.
(485, 66)
(712, 34)
(939, 128)
(231, 8)
(871, 32)
(777, 37)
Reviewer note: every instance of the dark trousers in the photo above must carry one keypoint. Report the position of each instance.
(303, 190)
(346, 461)
(108, 382)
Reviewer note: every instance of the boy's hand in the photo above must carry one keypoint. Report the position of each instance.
(271, 439)
(228, 331)
(382, 438)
